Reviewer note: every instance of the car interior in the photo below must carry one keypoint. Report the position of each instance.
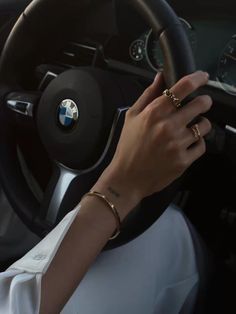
(103, 54)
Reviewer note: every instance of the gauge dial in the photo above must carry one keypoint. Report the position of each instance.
(137, 50)
(154, 52)
(227, 67)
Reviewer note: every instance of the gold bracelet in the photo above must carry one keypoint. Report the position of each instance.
(111, 207)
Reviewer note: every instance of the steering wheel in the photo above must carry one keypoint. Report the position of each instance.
(79, 115)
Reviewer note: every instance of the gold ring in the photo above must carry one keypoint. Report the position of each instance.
(196, 132)
(175, 101)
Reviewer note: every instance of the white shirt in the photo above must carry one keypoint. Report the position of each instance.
(154, 273)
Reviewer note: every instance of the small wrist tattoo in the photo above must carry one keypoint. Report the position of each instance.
(112, 191)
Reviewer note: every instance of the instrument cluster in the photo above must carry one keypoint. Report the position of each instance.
(146, 52)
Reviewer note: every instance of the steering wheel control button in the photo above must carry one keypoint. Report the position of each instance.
(23, 103)
(68, 114)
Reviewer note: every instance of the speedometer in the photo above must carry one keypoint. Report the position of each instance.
(154, 53)
(137, 50)
(227, 67)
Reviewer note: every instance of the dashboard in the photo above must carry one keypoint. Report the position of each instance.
(213, 44)
(125, 40)
(211, 29)
(121, 38)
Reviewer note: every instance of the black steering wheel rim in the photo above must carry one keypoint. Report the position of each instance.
(179, 61)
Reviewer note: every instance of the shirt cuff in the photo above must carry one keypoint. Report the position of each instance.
(40, 257)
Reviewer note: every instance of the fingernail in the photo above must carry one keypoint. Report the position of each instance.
(157, 76)
(207, 74)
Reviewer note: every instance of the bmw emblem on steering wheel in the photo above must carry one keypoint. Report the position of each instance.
(68, 113)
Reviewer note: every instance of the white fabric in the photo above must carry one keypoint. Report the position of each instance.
(154, 273)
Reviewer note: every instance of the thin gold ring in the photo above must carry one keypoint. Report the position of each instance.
(196, 132)
(174, 100)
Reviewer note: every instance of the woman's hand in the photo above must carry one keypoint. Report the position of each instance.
(156, 146)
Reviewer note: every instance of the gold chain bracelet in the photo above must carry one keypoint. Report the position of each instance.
(111, 207)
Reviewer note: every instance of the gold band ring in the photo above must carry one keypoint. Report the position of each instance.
(196, 132)
(174, 100)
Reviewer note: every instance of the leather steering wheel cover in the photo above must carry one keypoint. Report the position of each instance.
(29, 29)
(178, 62)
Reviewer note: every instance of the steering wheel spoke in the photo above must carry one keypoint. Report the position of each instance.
(58, 187)
(66, 187)
(23, 103)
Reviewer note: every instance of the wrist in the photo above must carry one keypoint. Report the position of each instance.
(118, 191)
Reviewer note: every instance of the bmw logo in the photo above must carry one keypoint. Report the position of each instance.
(68, 113)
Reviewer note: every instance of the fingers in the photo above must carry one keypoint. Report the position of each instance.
(162, 106)
(197, 151)
(151, 93)
(190, 146)
(190, 83)
(183, 88)
(188, 135)
(196, 107)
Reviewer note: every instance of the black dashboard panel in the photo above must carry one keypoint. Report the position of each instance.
(115, 26)
(204, 8)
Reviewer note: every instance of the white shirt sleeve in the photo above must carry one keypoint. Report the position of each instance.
(20, 284)
(158, 268)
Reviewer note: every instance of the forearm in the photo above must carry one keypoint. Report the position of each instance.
(150, 155)
(85, 239)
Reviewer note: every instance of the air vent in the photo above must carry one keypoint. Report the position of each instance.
(78, 54)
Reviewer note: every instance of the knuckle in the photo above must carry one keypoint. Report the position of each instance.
(148, 91)
(206, 102)
(149, 113)
(149, 110)
(166, 129)
(189, 83)
(208, 125)
(131, 112)
(175, 148)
